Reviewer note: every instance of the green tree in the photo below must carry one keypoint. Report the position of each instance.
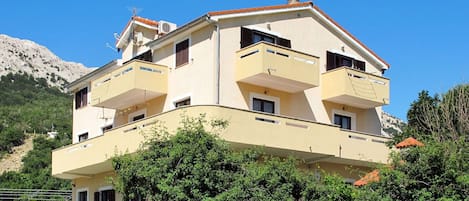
(191, 165)
(436, 171)
(29, 105)
(194, 164)
(440, 169)
(441, 118)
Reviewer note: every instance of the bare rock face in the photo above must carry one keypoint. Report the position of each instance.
(391, 125)
(27, 57)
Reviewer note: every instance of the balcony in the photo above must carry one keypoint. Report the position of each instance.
(133, 83)
(276, 67)
(280, 135)
(355, 88)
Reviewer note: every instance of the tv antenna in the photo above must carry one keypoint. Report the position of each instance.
(135, 10)
(111, 47)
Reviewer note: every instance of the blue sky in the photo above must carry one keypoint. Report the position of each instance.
(426, 42)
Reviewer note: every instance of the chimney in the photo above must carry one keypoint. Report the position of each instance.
(293, 1)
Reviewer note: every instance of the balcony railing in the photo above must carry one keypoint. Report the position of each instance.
(133, 83)
(355, 88)
(280, 135)
(277, 67)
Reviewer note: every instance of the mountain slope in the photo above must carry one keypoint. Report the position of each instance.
(24, 56)
(391, 125)
(12, 162)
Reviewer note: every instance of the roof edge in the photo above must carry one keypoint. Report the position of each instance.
(101, 69)
(195, 22)
(351, 36)
(264, 8)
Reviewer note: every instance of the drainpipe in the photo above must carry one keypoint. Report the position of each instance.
(217, 63)
(217, 60)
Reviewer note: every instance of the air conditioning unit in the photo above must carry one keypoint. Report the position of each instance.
(138, 38)
(166, 27)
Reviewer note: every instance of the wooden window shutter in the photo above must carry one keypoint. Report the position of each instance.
(77, 100)
(112, 195)
(96, 196)
(246, 37)
(284, 42)
(182, 52)
(85, 97)
(360, 65)
(330, 61)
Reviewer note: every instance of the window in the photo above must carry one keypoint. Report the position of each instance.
(146, 56)
(183, 103)
(82, 195)
(82, 137)
(106, 128)
(138, 117)
(81, 98)
(182, 53)
(105, 195)
(336, 61)
(249, 37)
(343, 121)
(263, 105)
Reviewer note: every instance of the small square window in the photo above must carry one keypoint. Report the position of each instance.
(82, 137)
(262, 105)
(344, 122)
(183, 103)
(106, 128)
(138, 117)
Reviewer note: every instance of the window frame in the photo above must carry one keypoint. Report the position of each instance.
(81, 98)
(107, 127)
(248, 33)
(83, 134)
(274, 99)
(189, 41)
(78, 191)
(105, 188)
(132, 115)
(341, 123)
(335, 60)
(353, 118)
(181, 101)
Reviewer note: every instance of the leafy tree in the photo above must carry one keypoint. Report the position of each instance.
(194, 164)
(436, 171)
(191, 165)
(440, 169)
(441, 118)
(31, 106)
(36, 170)
(419, 109)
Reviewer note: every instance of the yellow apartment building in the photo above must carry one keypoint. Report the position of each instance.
(287, 78)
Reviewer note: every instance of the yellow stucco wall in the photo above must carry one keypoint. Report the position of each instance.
(94, 184)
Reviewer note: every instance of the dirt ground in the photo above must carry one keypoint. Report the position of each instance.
(12, 162)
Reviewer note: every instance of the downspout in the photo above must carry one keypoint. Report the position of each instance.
(217, 60)
(217, 63)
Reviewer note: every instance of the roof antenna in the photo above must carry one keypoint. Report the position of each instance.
(293, 1)
(110, 47)
(134, 10)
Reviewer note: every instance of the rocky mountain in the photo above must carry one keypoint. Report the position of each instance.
(391, 125)
(27, 57)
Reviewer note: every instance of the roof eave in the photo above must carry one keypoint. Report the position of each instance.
(349, 37)
(124, 35)
(167, 38)
(78, 83)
